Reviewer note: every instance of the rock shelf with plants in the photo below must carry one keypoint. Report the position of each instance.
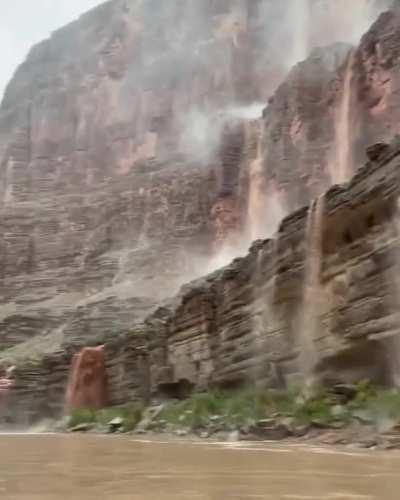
(345, 414)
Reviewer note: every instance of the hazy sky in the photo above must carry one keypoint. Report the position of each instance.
(25, 22)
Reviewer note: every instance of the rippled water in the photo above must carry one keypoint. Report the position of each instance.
(43, 467)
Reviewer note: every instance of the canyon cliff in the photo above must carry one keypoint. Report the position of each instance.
(136, 157)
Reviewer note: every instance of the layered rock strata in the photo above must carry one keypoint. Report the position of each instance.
(122, 179)
(242, 324)
(121, 154)
(245, 321)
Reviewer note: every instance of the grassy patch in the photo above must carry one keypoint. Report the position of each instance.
(223, 410)
(318, 408)
(230, 409)
(130, 416)
(80, 417)
(374, 405)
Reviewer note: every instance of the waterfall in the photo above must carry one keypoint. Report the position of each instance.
(343, 154)
(256, 318)
(310, 310)
(9, 181)
(263, 313)
(256, 201)
(392, 341)
(87, 385)
(266, 207)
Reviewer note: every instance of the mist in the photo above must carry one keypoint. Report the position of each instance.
(285, 33)
(189, 74)
(295, 27)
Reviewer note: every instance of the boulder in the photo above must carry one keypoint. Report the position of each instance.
(116, 424)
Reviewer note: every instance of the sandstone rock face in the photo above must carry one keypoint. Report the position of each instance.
(38, 390)
(244, 323)
(132, 161)
(299, 130)
(118, 158)
(329, 110)
(376, 80)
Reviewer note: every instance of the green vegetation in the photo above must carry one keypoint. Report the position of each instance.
(130, 415)
(248, 408)
(372, 405)
(234, 409)
(324, 408)
(127, 416)
(81, 417)
(303, 410)
(243, 408)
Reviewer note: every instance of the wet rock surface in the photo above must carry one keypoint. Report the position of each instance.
(103, 208)
(104, 214)
(206, 336)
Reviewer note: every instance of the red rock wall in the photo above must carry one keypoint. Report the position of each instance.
(320, 121)
(121, 176)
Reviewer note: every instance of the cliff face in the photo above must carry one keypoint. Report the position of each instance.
(100, 205)
(329, 110)
(324, 293)
(320, 299)
(134, 158)
(376, 80)
(128, 165)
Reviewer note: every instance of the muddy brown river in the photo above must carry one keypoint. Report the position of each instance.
(53, 467)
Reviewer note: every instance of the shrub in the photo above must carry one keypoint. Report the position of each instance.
(130, 414)
(379, 405)
(315, 408)
(81, 416)
(232, 408)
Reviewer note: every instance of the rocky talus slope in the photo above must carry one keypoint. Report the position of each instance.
(128, 168)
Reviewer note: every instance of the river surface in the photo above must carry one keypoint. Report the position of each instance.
(54, 467)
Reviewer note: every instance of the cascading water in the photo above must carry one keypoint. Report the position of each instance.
(256, 201)
(265, 208)
(263, 315)
(8, 193)
(87, 385)
(343, 155)
(256, 318)
(392, 341)
(310, 310)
